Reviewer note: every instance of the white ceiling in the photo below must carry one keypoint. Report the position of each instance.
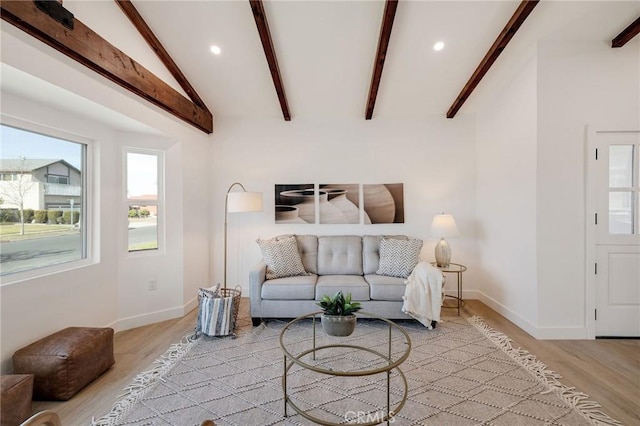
(326, 49)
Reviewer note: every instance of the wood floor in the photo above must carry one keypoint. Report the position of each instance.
(607, 370)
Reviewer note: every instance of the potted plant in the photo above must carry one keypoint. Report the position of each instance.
(338, 314)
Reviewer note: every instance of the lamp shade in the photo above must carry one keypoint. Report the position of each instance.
(443, 225)
(242, 201)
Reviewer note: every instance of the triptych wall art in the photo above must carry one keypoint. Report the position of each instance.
(339, 203)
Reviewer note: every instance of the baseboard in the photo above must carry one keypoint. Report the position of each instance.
(149, 318)
(518, 320)
(466, 294)
(562, 333)
(190, 306)
(540, 333)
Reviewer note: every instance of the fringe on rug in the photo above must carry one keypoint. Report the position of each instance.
(143, 381)
(590, 410)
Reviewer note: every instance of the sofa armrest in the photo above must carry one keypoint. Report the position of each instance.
(257, 276)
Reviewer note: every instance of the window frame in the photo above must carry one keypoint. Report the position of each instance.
(159, 202)
(87, 220)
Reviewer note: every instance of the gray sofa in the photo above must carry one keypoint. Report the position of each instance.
(344, 262)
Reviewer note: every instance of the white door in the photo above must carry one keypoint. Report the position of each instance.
(617, 221)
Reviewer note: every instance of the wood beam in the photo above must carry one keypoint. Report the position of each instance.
(518, 18)
(627, 34)
(383, 44)
(145, 31)
(87, 47)
(267, 44)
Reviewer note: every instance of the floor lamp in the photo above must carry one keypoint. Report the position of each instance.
(238, 202)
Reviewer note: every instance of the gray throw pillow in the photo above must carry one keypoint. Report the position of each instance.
(398, 257)
(282, 257)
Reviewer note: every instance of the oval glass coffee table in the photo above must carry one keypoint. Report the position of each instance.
(372, 349)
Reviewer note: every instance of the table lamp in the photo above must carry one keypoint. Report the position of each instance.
(443, 226)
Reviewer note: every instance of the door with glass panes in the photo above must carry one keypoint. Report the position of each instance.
(617, 268)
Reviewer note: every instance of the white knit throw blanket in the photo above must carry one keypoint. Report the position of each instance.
(423, 294)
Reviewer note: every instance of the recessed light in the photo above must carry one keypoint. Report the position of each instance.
(216, 50)
(438, 46)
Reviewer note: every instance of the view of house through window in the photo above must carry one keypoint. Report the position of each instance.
(42, 202)
(144, 177)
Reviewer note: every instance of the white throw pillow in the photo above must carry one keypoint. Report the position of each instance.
(398, 257)
(210, 292)
(282, 257)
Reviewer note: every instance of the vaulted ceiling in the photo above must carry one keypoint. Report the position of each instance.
(326, 50)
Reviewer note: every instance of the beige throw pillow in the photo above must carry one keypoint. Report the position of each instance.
(282, 257)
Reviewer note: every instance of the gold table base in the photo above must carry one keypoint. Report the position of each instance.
(290, 360)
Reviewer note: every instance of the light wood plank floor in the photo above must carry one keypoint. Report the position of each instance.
(607, 370)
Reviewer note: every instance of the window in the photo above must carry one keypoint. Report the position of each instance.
(623, 189)
(8, 176)
(144, 198)
(62, 180)
(41, 224)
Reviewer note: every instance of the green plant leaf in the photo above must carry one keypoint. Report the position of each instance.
(338, 304)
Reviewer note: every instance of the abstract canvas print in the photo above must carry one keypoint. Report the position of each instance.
(383, 203)
(295, 203)
(339, 203)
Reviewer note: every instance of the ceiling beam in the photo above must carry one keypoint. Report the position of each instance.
(518, 18)
(383, 43)
(87, 47)
(145, 31)
(627, 34)
(267, 44)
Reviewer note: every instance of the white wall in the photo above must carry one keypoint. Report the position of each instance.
(433, 157)
(579, 84)
(531, 179)
(113, 290)
(196, 220)
(164, 266)
(506, 191)
(83, 296)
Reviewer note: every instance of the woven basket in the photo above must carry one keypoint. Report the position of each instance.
(213, 309)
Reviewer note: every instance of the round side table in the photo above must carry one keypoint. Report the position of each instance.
(458, 269)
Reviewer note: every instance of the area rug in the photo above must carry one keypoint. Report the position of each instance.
(461, 373)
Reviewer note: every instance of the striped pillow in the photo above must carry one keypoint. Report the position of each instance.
(398, 257)
(215, 316)
(282, 257)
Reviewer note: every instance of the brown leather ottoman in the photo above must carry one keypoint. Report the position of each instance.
(66, 361)
(15, 400)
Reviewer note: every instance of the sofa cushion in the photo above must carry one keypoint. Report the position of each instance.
(308, 248)
(290, 288)
(340, 255)
(371, 251)
(331, 284)
(398, 257)
(282, 257)
(383, 287)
